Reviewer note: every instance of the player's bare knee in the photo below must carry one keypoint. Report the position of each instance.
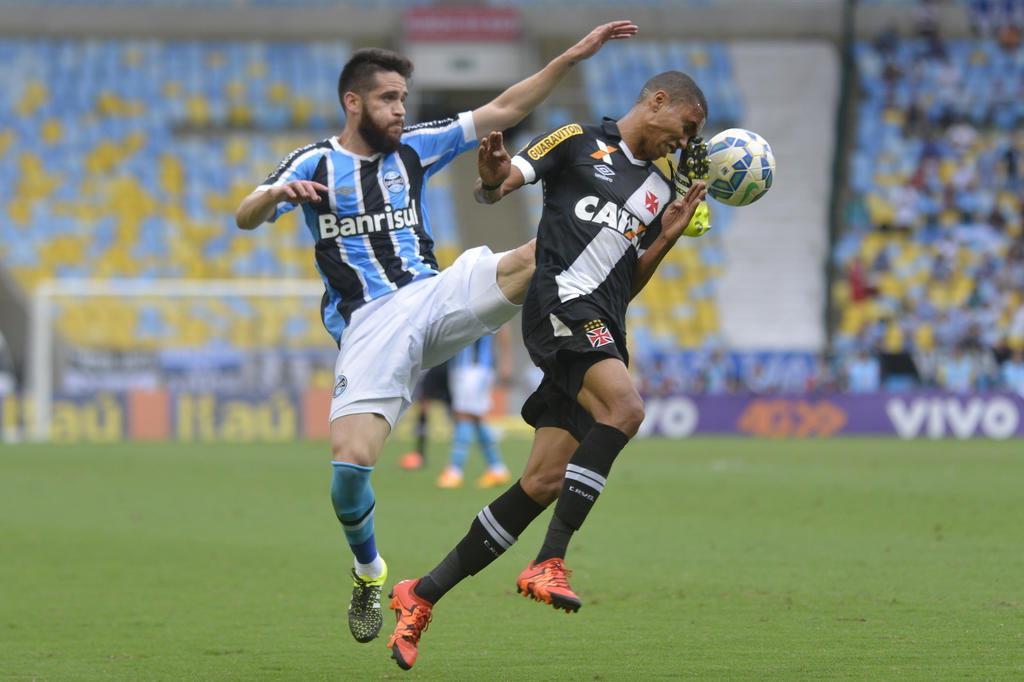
(627, 414)
(542, 486)
(353, 452)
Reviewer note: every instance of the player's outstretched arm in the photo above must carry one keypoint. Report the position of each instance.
(513, 105)
(260, 205)
(498, 177)
(674, 220)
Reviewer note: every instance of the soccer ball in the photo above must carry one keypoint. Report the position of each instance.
(741, 166)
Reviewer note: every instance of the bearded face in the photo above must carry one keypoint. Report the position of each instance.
(384, 135)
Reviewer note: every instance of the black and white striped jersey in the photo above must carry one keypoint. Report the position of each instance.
(602, 208)
(372, 232)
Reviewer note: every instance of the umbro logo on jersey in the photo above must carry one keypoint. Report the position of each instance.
(609, 214)
(387, 220)
(604, 152)
(603, 172)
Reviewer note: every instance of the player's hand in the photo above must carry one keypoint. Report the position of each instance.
(680, 213)
(299, 192)
(492, 160)
(593, 41)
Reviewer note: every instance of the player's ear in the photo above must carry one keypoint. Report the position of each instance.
(353, 102)
(659, 100)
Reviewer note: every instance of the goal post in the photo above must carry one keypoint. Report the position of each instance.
(50, 298)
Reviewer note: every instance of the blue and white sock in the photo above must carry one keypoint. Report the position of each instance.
(354, 503)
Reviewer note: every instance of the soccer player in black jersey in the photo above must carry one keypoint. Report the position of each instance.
(610, 216)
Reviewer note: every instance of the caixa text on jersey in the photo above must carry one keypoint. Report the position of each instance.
(389, 219)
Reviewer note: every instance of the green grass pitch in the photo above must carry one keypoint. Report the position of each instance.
(705, 559)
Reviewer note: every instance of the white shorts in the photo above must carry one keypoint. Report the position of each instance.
(390, 339)
(471, 387)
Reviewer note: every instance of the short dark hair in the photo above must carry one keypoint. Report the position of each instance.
(357, 75)
(678, 86)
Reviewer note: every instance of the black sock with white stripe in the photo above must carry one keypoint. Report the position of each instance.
(493, 531)
(585, 477)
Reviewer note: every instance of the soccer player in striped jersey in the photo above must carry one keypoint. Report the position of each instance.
(610, 216)
(386, 304)
(471, 377)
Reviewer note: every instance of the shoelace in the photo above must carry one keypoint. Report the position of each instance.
(559, 575)
(363, 595)
(420, 621)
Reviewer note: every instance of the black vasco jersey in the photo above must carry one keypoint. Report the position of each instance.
(602, 208)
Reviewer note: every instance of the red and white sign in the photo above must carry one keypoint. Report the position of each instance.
(466, 24)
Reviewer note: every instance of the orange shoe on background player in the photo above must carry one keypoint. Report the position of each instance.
(411, 461)
(450, 478)
(548, 582)
(413, 614)
(494, 477)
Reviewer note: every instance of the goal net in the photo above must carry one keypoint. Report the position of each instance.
(133, 341)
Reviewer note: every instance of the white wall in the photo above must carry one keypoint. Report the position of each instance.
(772, 293)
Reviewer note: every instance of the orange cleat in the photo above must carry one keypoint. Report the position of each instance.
(413, 614)
(450, 478)
(411, 461)
(493, 478)
(548, 582)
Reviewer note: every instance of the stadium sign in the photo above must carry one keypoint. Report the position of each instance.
(281, 416)
(913, 415)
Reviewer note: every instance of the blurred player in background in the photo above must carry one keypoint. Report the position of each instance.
(433, 388)
(471, 377)
(610, 216)
(387, 305)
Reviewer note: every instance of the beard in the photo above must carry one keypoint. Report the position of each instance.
(377, 137)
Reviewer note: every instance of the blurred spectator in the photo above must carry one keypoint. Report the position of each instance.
(862, 374)
(956, 372)
(1013, 372)
(718, 375)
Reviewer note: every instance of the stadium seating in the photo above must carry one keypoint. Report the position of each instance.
(931, 257)
(128, 159)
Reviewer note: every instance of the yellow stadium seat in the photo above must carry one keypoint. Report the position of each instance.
(893, 339)
(197, 110)
(34, 96)
(924, 337)
(52, 131)
(302, 109)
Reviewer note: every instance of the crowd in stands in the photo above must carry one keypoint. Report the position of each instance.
(930, 262)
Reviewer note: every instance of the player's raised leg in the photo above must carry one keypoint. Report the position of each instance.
(515, 268)
(611, 399)
(356, 442)
(490, 535)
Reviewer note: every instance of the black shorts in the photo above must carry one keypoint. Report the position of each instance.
(565, 354)
(434, 384)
